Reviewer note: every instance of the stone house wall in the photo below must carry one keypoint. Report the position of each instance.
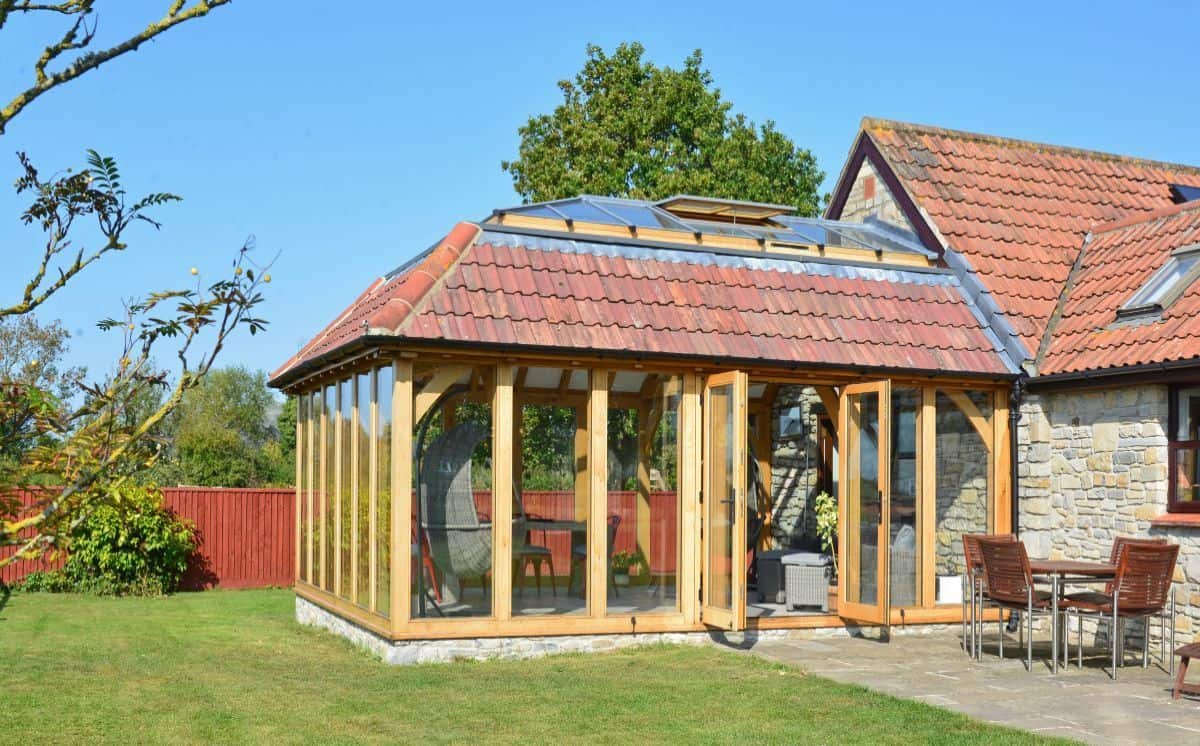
(1092, 465)
(870, 196)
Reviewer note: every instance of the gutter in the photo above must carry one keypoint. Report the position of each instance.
(1014, 480)
(1109, 374)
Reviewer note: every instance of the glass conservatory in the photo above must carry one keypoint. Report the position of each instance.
(607, 417)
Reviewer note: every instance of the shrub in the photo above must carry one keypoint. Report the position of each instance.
(134, 546)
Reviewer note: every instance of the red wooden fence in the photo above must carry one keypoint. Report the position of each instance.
(245, 538)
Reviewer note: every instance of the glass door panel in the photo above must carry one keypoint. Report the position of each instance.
(724, 502)
(864, 503)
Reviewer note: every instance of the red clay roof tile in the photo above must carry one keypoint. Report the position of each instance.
(1017, 210)
(1119, 260)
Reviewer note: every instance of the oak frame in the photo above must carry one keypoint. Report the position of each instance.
(399, 626)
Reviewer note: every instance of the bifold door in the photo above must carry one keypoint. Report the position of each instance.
(723, 509)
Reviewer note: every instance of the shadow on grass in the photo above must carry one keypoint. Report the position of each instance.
(5, 594)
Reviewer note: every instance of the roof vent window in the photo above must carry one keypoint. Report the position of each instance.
(1165, 285)
(1181, 193)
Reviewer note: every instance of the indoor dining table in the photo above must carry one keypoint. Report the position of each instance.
(1061, 572)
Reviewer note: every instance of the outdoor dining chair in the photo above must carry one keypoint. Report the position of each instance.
(1009, 583)
(1141, 590)
(975, 591)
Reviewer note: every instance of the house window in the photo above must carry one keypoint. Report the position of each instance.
(1165, 285)
(1184, 450)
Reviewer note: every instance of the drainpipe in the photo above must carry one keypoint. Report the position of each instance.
(1014, 418)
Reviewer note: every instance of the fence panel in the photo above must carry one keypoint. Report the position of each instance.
(245, 537)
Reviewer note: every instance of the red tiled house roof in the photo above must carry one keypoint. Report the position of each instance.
(499, 288)
(1117, 261)
(1018, 211)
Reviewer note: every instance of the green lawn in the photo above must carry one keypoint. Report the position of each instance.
(234, 667)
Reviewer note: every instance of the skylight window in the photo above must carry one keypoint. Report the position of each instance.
(1165, 285)
(1181, 193)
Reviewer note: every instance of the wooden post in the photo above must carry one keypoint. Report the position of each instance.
(354, 472)
(323, 570)
(927, 511)
(581, 463)
(336, 582)
(688, 464)
(301, 457)
(310, 459)
(1000, 508)
(402, 494)
(645, 446)
(502, 495)
(597, 471)
(373, 508)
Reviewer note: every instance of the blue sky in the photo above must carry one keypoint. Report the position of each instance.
(350, 140)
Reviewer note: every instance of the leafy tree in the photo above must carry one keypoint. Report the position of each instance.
(90, 451)
(31, 358)
(629, 128)
(224, 434)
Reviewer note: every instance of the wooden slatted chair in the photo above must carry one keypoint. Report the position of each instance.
(974, 591)
(1141, 590)
(1009, 583)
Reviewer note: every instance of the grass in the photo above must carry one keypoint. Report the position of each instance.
(235, 667)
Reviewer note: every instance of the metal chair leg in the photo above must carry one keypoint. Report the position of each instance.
(1029, 640)
(1145, 642)
(1171, 651)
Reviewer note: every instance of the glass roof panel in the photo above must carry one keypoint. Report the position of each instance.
(582, 211)
(538, 211)
(640, 215)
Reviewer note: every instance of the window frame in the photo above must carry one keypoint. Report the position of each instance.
(1151, 300)
(1174, 448)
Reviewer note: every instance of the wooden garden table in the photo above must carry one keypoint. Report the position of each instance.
(1061, 572)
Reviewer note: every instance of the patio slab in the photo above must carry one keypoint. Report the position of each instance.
(1083, 704)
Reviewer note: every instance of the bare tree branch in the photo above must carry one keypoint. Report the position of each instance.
(46, 81)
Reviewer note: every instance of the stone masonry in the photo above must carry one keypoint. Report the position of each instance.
(869, 197)
(1093, 465)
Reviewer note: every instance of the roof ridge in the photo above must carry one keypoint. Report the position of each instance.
(424, 277)
(869, 123)
(1146, 217)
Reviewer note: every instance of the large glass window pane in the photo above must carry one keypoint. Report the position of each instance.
(302, 453)
(453, 505)
(643, 493)
(864, 499)
(362, 487)
(345, 483)
(316, 488)
(720, 500)
(962, 482)
(550, 557)
(1187, 475)
(905, 472)
(383, 488)
(329, 477)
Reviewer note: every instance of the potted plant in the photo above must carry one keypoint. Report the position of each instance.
(825, 508)
(623, 562)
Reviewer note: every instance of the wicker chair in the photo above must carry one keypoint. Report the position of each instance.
(1141, 590)
(975, 591)
(1009, 583)
(460, 543)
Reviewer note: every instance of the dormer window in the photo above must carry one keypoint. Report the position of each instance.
(1165, 285)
